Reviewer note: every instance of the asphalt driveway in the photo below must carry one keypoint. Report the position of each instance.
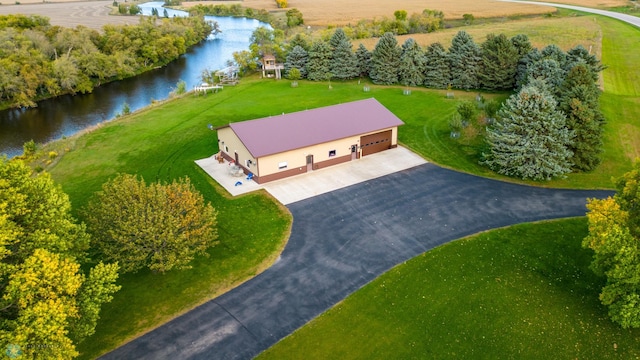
(339, 242)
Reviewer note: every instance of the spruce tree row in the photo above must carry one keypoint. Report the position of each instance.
(564, 84)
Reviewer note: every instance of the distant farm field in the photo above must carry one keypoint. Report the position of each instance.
(585, 31)
(339, 12)
(92, 14)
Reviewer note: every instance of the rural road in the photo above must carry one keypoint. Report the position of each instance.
(633, 20)
(339, 242)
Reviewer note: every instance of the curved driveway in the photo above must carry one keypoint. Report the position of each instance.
(630, 19)
(342, 240)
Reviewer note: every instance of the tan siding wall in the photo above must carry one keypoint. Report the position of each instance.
(233, 143)
(298, 158)
(266, 168)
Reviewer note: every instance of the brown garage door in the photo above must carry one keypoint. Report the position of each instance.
(375, 142)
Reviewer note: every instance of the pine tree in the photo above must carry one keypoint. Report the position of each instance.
(464, 58)
(385, 60)
(530, 140)
(297, 58)
(499, 63)
(319, 61)
(412, 64)
(299, 40)
(363, 57)
(578, 99)
(580, 55)
(344, 64)
(547, 70)
(437, 71)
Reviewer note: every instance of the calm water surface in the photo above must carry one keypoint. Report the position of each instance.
(66, 115)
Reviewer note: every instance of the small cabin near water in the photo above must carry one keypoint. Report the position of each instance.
(280, 146)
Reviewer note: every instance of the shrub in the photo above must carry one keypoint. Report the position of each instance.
(29, 148)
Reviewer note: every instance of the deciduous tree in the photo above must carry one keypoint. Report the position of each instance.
(614, 238)
(157, 226)
(45, 298)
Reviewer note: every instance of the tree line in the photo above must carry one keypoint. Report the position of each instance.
(56, 273)
(39, 61)
(565, 85)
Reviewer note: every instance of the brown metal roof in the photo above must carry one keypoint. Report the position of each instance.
(280, 133)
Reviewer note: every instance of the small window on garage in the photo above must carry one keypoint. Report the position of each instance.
(282, 165)
(332, 153)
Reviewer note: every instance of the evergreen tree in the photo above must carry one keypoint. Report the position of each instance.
(464, 59)
(299, 40)
(412, 64)
(530, 140)
(437, 71)
(319, 62)
(344, 64)
(578, 99)
(297, 58)
(522, 44)
(499, 63)
(580, 55)
(385, 60)
(363, 57)
(547, 70)
(523, 64)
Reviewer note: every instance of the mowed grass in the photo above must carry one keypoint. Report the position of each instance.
(523, 292)
(161, 143)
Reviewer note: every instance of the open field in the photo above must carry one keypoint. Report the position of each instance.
(541, 31)
(92, 14)
(337, 12)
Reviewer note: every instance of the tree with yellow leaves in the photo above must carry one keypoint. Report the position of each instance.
(614, 236)
(47, 304)
(157, 226)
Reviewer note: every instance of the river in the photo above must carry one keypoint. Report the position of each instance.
(67, 115)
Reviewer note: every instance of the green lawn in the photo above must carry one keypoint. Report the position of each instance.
(523, 292)
(161, 143)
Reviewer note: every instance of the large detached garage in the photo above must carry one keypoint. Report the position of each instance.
(290, 144)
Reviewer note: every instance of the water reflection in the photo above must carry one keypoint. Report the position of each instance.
(67, 115)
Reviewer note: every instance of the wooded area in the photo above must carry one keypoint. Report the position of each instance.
(39, 61)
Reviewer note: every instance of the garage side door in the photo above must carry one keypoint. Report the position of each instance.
(374, 143)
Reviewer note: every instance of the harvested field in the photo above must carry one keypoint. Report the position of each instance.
(92, 14)
(339, 12)
(542, 32)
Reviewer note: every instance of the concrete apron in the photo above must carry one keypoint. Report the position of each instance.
(304, 186)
